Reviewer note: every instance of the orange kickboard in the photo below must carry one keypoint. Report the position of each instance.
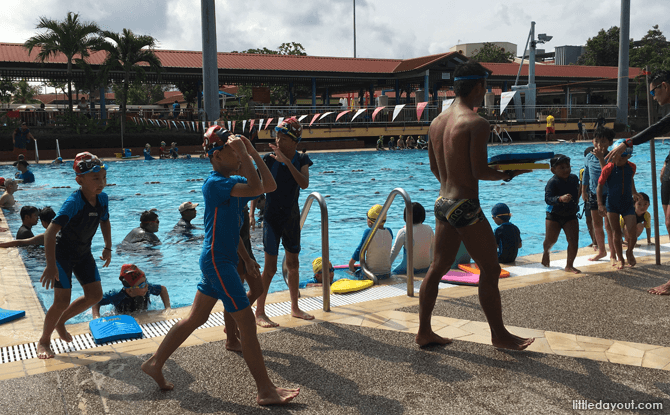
(521, 166)
(473, 268)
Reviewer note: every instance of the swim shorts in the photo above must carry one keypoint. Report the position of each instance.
(84, 269)
(222, 282)
(562, 220)
(624, 207)
(459, 213)
(550, 130)
(593, 201)
(284, 227)
(665, 192)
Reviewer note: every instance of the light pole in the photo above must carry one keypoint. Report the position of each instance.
(354, 28)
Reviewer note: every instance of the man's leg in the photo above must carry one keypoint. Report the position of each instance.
(269, 270)
(481, 245)
(447, 242)
(552, 230)
(293, 265)
(92, 295)
(60, 304)
(202, 306)
(571, 230)
(663, 289)
(597, 219)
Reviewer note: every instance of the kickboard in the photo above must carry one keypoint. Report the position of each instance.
(473, 268)
(107, 329)
(517, 158)
(459, 277)
(521, 166)
(131, 157)
(347, 286)
(9, 315)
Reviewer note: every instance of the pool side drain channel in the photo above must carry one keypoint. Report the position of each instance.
(160, 328)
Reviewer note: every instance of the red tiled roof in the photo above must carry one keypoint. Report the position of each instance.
(418, 63)
(560, 71)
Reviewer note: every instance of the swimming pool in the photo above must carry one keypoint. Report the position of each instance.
(358, 180)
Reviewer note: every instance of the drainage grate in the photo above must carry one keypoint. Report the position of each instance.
(160, 328)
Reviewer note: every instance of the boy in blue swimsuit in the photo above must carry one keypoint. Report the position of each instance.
(147, 152)
(618, 177)
(508, 236)
(281, 221)
(225, 197)
(594, 162)
(584, 183)
(135, 293)
(23, 174)
(562, 197)
(67, 246)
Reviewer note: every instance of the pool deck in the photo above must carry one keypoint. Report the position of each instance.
(361, 358)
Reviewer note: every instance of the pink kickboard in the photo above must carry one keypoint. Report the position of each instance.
(458, 277)
(345, 266)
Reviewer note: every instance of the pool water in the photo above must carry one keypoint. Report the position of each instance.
(350, 181)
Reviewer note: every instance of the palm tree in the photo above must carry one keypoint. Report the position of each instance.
(69, 37)
(126, 51)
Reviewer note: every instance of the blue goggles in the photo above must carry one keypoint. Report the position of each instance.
(286, 131)
(653, 91)
(141, 285)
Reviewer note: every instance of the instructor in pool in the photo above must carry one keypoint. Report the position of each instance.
(457, 153)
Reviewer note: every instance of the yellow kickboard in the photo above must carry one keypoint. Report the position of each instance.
(474, 269)
(521, 166)
(346, 286)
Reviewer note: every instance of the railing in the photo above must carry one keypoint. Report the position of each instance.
(409, 239)
(325, 247)
(588, 113)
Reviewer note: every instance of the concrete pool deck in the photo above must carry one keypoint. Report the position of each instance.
(361, 358)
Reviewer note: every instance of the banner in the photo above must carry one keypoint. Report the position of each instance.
(446, 104)
(419, 109)
(376, 111)
(505, 98)
(359, 112)
(302, 117)
(279, 121)
(341, 114)
(314, 119)
(325, 115)
(397, 110)
(260, 124)
(251, 125)
(229, 125)
(267, 124)
(244, 125)
(203, 126)
(233, 126)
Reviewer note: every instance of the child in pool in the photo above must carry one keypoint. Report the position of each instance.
(423, 242)
(562, 195)
(317, 279)
(642, 217)
(508, 236)
(7, 199)
(378, 256)
(618, 177)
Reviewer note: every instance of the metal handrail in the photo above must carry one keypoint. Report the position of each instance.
(325, 247)
(409, 239)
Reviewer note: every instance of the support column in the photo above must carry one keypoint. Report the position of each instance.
(426, 79)
(314, 94)
(103, 107)
(397, 92)
(290, 93)
(622, 84)
(210, 70)
(371, 91)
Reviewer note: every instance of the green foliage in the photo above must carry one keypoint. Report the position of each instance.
(7, 88)
(652, 50)
(69, 37)
(189, 89)
(490, 52)
(140, 93)
(602, 49)
(24, 93)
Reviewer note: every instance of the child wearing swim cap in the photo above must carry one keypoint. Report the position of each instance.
(508, 236)
(378, 257)
(621, 197)
(317, 279)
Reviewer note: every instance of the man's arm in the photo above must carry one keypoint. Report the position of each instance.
(433, 160)
(35, 240)
(479, 136)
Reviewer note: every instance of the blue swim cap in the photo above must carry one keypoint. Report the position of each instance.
(500, 209)
(628, 151)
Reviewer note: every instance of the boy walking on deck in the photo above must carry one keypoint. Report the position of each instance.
(225, 196)
(281, 222)
(457, 154)
(67, 246)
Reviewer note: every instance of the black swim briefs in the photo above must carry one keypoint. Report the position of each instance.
(459, 213)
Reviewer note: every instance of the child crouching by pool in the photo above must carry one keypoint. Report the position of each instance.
(508, 236)
(621, 197)
(642, 217)
(378, 256)
(225, 196)
(562, 195)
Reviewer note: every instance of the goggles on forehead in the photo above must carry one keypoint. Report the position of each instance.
(215, 140)
(286, 131)
(91, 165)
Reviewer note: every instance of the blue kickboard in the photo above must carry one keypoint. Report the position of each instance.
(520, 157)
(108, 329)
(9, 315)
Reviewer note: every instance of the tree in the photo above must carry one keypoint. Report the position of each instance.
(69, 37)
(652, 50)
(7, 88)
(140, 93)
(25, 93)
(189, 89)
(602, 49)
(490, 52)
(125, 52)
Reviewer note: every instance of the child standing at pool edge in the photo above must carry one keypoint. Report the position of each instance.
(67, 247)
(225, 196)
(281, 222)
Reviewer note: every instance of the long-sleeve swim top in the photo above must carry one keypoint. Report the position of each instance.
(661, 127)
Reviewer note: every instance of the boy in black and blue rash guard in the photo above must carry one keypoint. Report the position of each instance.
(562, 197)
(508, 236)
(67, 245)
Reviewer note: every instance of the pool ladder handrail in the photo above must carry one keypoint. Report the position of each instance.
(409, 238)
(325, 247)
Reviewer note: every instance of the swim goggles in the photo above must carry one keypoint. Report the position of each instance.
(140, 285)
(214, 140)
(653, 91)
(92, 165)
(286, 131)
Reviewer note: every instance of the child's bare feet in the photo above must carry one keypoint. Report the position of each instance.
(279, 396)
(150, 369)
(598, 256)
(512, 342)
(301, 314)
(661, 289)
(545, 258)
(63, 333)
(264, 321)
(622, 264)
(44, 351)
(631, 258)
(573, 270)
(429, 339)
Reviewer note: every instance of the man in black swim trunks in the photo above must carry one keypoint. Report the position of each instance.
(457, 153)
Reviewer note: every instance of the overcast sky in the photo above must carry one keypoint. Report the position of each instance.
(384, 28)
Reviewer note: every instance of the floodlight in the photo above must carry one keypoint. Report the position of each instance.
(542, 37)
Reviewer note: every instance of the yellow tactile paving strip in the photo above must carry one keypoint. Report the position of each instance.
(16, 293)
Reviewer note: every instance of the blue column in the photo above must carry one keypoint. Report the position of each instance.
(290, 93)
(426, 85)
(371, 91)
(326, 101)
(199, 96)
(103, 109)
(504, 88)
(568, 101)
(397, 92)
(314, 94)
(636, 101)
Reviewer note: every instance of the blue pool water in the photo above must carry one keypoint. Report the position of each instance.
(349, 194)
